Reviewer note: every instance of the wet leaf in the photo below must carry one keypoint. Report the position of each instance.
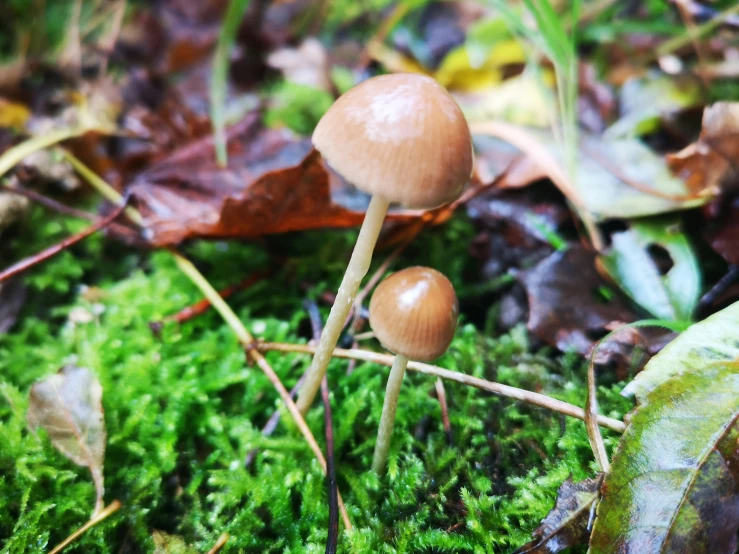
(164, 543)
(713, 340)
(725, 238)
(274, 183)
(673, 485)
(567, 524)
(68, 405)
(569, 279)
(619, 178)
(646, 100)
(670, 292)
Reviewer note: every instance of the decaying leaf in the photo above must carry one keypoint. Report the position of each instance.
(667, 293)
(708, 163)
(566, 307)
(567, 524)
(725, 238)
(615, 178)
(68, 405)
(673, 486)
(164, 543)
(275, 183)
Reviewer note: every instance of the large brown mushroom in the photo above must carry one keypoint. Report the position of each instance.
(401, 138)
(413, 313)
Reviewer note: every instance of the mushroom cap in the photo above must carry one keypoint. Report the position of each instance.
(400, 136)
(414, 313)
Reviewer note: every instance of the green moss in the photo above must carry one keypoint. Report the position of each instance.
(183, 410)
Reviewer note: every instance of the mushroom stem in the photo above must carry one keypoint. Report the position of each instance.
(385, 433)
(355, 272)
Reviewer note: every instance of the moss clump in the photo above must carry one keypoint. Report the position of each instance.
(183, 410)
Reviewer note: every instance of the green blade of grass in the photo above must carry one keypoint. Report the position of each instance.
(219, 76)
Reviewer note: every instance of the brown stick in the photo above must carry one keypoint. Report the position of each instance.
(52, 251)
(529, 397)
(220, 543)
(112, 508)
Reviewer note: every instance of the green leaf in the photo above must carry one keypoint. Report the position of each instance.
(673, 486)
(629, 263)
(715, 340)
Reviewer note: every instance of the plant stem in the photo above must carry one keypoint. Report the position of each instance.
(16, 154)
(355, 272)
(536, 399)
(385, 432)
(105, 513)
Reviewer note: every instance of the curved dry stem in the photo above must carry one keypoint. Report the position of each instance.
(529, 397)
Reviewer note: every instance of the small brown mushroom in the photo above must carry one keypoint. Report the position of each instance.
(413, 313)
(401, 138)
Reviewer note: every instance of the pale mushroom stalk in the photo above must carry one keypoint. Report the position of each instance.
(401, 139)
(356, 270)
(413, 313)
(387, 421)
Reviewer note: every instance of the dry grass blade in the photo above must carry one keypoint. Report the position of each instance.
(102, 515)
(529, 397)
(220, 543)
(591, 419)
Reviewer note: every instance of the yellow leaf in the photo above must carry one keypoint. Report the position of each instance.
(13, 114)
(457, 72)
(393, 61)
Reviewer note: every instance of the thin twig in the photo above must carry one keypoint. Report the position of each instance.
(52, 251)
(441, 395)
(112, 508)
(529, 397)
(231, 319)
(272, 422)
(52, 204)
(220, 543)
(333, 498)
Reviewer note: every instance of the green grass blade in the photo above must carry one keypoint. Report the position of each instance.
(219, 76)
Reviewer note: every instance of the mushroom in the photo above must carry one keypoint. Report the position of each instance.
(413, 314)
(400, 138)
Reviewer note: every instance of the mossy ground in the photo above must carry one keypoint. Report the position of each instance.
(183, 409)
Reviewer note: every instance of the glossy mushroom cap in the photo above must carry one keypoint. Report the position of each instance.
(414, 313)
(399, 136)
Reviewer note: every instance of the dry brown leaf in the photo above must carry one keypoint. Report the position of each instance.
(68, 405)
(275, 183)
(707, 164)
(567, 524)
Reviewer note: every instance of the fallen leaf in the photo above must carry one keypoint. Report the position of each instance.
(164, 543)
(566, 306)
(275, 183)
(713, 339)
(567, 524)
(12, 297)
(68, 405)
(665, 292)
(619, 178)
(645, 100)
(673, 486)
(13, 114)
(709, 163)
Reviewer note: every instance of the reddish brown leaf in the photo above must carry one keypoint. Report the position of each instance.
(725, 240)
(710, 163)
(68, 405)
(275, 183)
